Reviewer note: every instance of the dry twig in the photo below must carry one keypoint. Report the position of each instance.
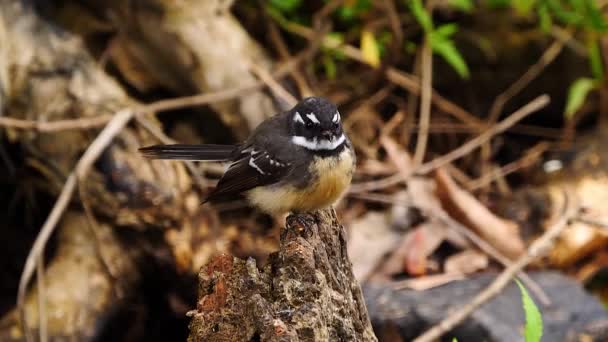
(274, 86)
(154, 107)
(536, 249)
(532, 73)
(118, 122)
(527, 159)
(461, 151)
(425, 102)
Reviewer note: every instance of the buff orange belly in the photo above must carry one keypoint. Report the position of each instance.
(334, 175)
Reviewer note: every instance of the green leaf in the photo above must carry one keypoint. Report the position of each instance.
(410, 47)
(333, 40)
(595, 59)
(353, 9)
(523, 7)
(463, 5)
(285, 5)
(384, 39)
(577, 94)
(330, 67)
(546, 23)
(421, 14)
(446, 30)
(447, 50)
(562, 14)
(534, 320)
(369, 48)
(594, 15)
(498, 3)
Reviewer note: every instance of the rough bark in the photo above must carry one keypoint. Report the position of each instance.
(307, 292)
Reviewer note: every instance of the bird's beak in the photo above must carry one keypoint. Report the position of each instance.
(327, 135)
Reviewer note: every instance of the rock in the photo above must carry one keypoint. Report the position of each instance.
(404, 314)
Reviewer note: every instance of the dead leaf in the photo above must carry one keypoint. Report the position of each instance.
(414, 249)
(422, 194)
(500, 233)
(370, 239)
(398, 156)
(466, 262)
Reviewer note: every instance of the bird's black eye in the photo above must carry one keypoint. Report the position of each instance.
(309, 125)
(335, 126)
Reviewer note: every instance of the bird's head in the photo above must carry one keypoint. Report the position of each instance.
(316, 124)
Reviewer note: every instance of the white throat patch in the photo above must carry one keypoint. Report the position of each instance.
(318, 145)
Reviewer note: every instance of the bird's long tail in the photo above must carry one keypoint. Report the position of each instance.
(207, 152)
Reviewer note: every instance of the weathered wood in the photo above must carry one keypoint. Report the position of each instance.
(307, 292)
(192, 47)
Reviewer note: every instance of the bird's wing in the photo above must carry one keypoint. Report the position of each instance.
(208, 152)
(253, 168)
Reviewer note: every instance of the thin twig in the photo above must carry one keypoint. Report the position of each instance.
(527, 159)
(411, 83)
(515, 88)
(41, 287)
(274, 86)
(58, 125)
(407, 81)
(536, 249)
(532, 73)
(535, 131)
(590, 221)
(461, 151)
(425, 102)
(155, 107)
(118, 122)
(500, 127)
(281, 47)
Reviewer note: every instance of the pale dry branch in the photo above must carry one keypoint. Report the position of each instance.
(118, 122)
(425, 102)
(154, 107)
(274, 86)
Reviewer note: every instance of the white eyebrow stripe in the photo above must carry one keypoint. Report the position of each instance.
(316, 145)
(313, 118)
(336, 117)
(298, 118)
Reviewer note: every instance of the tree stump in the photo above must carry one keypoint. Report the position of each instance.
(307, 292)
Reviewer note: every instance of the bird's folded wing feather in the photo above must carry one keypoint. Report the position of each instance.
(254, 168)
